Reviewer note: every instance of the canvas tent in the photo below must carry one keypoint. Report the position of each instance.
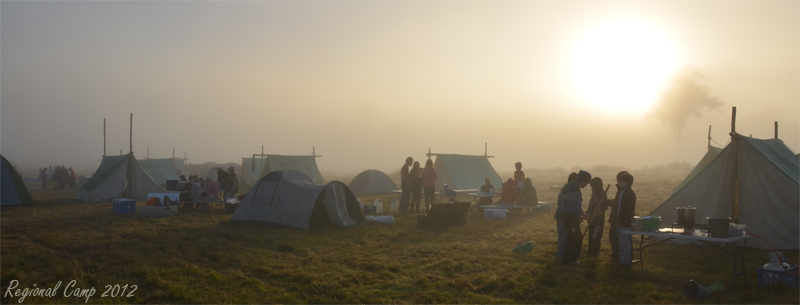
(304, 164)
(290, 198)
(372, 181)
(109, 181)
(755, 182)
(464, 172)
(162, 169)
(252, 172)
(13, 188)
(710, 155)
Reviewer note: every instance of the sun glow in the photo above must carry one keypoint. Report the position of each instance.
(621, 66)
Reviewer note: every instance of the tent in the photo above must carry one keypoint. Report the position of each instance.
(755, 182)
(109, 181)
(162, 169)
(290, 198)
(252, 172)
(13, 188)
(710, 155)
(464, 172)
(372, 181)
(304, 164)
(212, 174)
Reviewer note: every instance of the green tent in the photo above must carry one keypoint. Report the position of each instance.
(755, 182)
(161, 170)
(13, 189)
(304, 164)
(464, 172)
(707, 158)
(110, 180)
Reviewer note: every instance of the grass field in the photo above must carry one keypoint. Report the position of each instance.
(203, 257)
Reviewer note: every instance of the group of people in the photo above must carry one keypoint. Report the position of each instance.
(413, 181)
(201, 190)
(412, 184)
(62, 177)
(569, 215)
(517, 191)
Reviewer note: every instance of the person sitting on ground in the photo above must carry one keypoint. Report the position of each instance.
(510, 193)
(486, 188)
(528, 196)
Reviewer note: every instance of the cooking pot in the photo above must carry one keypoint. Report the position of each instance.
(686, 216)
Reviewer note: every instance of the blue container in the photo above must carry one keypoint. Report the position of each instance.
(124, 206)
(771, 277)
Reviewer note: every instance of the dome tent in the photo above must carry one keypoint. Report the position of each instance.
(290, 198)
(372, 181)
(13, 189)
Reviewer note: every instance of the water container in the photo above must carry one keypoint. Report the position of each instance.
(378, 206)
(393, 207)
(718, 226)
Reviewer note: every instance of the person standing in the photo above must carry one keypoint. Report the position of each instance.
(429, 184)
(72, 178)
(562, 233)
(626, 202)
(416, 187)
(43, 177)
(613, 239)
(405, 185)
(519, 177)
(572, 214)
(233, 183)
(222, 181)
(597, 215)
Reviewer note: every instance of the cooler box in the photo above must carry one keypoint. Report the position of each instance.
(158, 211)
(370, 210)
(651, 224)
(124, 206)
(172, 184)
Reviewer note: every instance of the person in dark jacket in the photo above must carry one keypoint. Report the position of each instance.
(598, 204)
(405, 185)
(572, 215)
(626, 202)
(562, 233)
(528, 196)
(612, 222)
(416, 187)
(488, 188)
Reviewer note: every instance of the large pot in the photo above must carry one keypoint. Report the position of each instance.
(686, 216)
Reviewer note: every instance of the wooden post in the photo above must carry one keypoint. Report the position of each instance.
(734, 169)
(104, 137)
(148, 152)
(733, 121)
(129, 186)
(709, 135)
(776, 129)
(486, 150)
(131, 136)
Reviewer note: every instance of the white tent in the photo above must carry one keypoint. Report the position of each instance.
(755, 182)
(707, 158)
(372, 181)
(290, 198)
(110, 181)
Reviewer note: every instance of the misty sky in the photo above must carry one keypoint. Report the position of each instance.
(370, 83)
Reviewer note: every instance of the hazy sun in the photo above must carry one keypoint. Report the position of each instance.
(620, 66)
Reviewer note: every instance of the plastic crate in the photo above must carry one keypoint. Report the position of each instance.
(651, 224)
(771, 277)
(124, 206)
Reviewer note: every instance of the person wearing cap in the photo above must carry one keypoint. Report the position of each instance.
(572, 214)
(562, 232)
(626, 206)
(613, 237)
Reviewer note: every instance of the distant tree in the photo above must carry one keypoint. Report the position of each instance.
(683, 100)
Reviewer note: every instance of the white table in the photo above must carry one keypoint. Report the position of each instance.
(666, 234)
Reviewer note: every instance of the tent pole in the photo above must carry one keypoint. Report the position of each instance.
(709, 135)
(776, 129)
(129, 187)
(104, 137)
(148, 152)
(734, 170)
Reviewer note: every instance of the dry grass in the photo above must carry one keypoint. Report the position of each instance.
(203, 257)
